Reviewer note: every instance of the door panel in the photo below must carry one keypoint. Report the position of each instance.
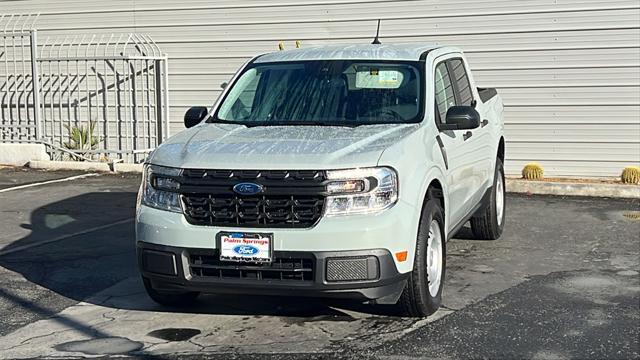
(478, 145)
(460, 167)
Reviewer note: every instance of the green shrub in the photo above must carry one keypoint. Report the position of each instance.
(81, 138)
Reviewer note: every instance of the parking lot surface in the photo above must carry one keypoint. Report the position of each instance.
(562, 282)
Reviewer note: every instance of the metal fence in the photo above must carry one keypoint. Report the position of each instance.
(98, 98)
(17, 100)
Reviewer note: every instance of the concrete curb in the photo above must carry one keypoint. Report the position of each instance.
(128, 168)
(513, 185)
(573, 189)
(85, 166)
(21, 154)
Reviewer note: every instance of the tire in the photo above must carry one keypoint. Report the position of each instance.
(173, 299)
(418, 299)
(488, 222)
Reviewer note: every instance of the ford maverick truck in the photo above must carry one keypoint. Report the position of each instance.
(333, 171)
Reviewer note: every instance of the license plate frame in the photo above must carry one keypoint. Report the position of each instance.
(227, 249)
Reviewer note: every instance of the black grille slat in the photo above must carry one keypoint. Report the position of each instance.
(249, 268)
(291, 199)
(282, 269)
(281, 187)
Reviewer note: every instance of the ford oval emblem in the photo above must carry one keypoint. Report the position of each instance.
(245, 250)
(248, 188)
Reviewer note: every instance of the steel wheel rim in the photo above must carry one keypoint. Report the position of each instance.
(434, 258)
(499, 199)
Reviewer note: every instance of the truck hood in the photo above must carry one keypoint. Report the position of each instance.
(230, 146)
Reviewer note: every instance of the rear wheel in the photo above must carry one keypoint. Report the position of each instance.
(422, 295)
(488, 222)
(173, 299)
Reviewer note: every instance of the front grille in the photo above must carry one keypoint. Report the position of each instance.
(290, 199)
(281, 269)
(253, 211)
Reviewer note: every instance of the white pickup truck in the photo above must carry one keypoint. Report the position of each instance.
(334, 171)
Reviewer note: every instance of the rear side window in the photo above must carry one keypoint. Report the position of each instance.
(445, 97)
(459, 74)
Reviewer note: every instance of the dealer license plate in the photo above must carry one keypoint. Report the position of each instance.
(249, 247)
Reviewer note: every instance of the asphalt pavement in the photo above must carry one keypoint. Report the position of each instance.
(562, 282)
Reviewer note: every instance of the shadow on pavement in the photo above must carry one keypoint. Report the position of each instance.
(80, 266)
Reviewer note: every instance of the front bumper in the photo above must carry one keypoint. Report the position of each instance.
(394, 230)
(196, 269)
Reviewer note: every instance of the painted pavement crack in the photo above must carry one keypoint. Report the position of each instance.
(265, 344)
(150, 346)
(28, 340)
(325, 331)
(200, 347)
(107, 315)
(93, 329)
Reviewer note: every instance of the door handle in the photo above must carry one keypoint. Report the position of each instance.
(467, 135)
(484, 123)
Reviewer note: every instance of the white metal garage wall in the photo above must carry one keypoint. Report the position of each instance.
(568, 70)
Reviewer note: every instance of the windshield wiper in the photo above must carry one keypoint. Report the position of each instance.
(284, 123)
(300, 123)
(212, 121)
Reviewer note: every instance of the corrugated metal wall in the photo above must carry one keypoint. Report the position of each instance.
(568, 70)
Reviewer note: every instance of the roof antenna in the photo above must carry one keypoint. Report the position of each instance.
(376, 41)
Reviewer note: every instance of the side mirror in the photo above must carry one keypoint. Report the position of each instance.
(461, 118)
(195, 115)
(224, 85)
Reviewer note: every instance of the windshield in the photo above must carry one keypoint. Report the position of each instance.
(334, 92)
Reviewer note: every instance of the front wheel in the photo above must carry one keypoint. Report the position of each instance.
(488, 222)
(422, 295)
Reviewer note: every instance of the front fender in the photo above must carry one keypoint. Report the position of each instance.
(418, 163)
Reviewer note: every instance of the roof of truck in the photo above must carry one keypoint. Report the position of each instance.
(406, 52)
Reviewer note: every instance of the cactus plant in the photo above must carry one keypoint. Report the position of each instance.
(532, 171)
(631, 175)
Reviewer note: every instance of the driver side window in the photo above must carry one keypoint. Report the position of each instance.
(445, 97)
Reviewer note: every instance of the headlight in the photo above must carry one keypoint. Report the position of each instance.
(361, 191)
(158, 188)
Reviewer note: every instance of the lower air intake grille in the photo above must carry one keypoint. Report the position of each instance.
(352, 269)
(281, 269)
